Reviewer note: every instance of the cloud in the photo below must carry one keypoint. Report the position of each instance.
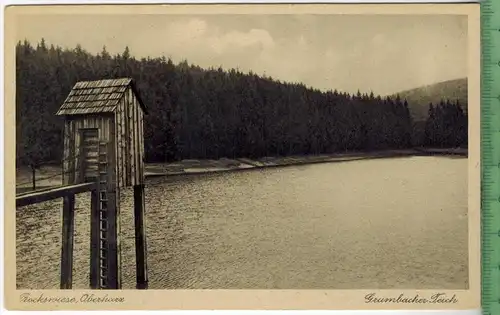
(234, 40)
(195, 35)
(186, 32)
(253, 49)
(343, 52)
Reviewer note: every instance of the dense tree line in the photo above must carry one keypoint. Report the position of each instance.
(210, 113)
(446, 125)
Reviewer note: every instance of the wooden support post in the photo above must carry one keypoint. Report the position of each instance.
(94, 239)
(140, 238)
(114, 243)
(68, 228)
(114, 248)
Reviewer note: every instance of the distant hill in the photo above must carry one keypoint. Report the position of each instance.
(419, 98)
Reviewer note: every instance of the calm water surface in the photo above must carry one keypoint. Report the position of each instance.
(385, 223)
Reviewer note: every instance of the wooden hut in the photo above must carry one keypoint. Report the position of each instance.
(103, 117)
(104, 143)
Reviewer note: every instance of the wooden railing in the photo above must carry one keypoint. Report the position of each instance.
(68, 223)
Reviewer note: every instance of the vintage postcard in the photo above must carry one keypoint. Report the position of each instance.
(270, 156)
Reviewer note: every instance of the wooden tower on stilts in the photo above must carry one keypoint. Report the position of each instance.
(104, 143)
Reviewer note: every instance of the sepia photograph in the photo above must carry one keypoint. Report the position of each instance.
(279, 150)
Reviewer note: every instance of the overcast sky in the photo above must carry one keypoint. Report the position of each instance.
(383, 54)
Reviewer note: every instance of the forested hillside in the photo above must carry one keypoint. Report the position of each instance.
(419, 98)
(212, 113)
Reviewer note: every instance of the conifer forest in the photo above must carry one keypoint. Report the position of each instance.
(197, 113)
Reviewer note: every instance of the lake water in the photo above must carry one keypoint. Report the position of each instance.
(384, 223)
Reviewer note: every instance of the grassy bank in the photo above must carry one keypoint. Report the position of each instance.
(49, 175)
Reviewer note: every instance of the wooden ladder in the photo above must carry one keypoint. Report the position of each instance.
(100, 266)
(103, 217)
(105, 246)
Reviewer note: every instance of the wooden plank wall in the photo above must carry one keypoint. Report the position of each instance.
(119, 149)
(130, 141)
(134, 152)
(128, 133)
(141, 146)
(121, 133)
(69, 153)
(72, 142)
(138, 141)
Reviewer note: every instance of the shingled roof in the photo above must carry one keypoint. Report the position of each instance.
(102, 96)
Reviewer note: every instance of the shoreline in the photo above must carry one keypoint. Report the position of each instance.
(224, 165)
(200, 167)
